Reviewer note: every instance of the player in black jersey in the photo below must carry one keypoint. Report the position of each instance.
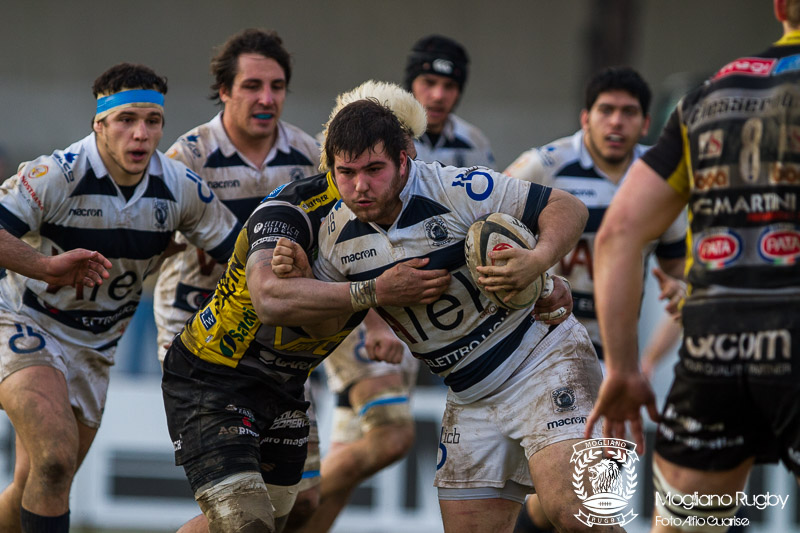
(730, 152)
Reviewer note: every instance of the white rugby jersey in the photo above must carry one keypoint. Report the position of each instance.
(68, 200)
(566, 164)
(460, 145)
(187, 278)
(462, 337)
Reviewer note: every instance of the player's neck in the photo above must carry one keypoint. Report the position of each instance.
(255, 149)
(614, 170)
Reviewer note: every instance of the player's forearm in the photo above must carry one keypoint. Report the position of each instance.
(20, 257)
(561, 224)
(301, 301)
(618, 274)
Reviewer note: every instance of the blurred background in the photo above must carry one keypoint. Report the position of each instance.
(529, 62)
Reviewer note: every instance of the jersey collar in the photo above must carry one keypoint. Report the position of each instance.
(228, 149)
(790, 38)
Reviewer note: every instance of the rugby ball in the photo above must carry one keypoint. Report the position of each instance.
(498, 231)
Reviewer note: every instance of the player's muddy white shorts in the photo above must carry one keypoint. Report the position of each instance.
(23, 343)
(547, 400)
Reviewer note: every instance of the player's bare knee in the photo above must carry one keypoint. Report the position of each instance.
(56, 468)
(238, 504)
(396, 442)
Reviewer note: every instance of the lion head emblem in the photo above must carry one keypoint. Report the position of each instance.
(604, 477)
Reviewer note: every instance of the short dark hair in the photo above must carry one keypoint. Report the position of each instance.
(225, 64)
(360, 126)
(128, 76)
(618, 79)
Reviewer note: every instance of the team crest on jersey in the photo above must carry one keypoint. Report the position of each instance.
(160, 213)
(779, 244)
(718, 250)
(563, 399)
(38, 171)
(296, 174)
(436, 231)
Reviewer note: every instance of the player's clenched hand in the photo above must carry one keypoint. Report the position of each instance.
(289, 260)
(555, 307)
(407, 284)
(76, 267)
(621, 398)
(383, 345)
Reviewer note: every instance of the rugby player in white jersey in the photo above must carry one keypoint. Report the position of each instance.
(488, 357)
(114, 192)
(591, 165)
(436, 71)
(242, 154)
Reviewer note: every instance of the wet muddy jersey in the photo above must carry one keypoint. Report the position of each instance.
(187, 278)
(462, 337)
(460, 145)
(226, 330)
(68, 200)
(567, 165)
(732, 149)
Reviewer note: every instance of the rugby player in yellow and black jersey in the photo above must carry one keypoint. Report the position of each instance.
(233, 379)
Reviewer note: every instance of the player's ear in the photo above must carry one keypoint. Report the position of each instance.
(584, 119)
(645, 125)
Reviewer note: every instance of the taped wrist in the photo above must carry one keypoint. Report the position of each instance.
(363, 294)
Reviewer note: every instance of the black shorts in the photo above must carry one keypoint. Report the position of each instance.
(223, 421)
(736, 392)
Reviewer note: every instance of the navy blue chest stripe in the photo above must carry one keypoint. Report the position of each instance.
(488, 361)
(90, 184)
(222, 252)
(419, 209)
(294, 157)
(450, 258)
(156, 188)
(595, 218)
(113, 243)
(12, 224)
(92, 321)
(218, 160)
(242, 207)
(576, 170)
(354, 229)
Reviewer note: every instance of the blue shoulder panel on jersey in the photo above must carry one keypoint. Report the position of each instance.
(486, 364)
(222, 252)
(93, 321)
(12, 224)
(450, 258)
(90, 184)
(354, 229)
(294, 157)
(537, 200)
(114, 243)
(418, 209)
(577, 171)
(218, 160)
(156, 188)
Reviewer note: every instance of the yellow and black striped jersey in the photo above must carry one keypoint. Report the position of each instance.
(226, 329)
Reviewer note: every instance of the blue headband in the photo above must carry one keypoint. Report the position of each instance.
(135, 96)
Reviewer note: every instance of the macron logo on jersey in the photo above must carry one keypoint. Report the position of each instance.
(357, 256)
(78, 212)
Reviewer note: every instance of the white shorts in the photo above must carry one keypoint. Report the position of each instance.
(24, 343)
(489, 442)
